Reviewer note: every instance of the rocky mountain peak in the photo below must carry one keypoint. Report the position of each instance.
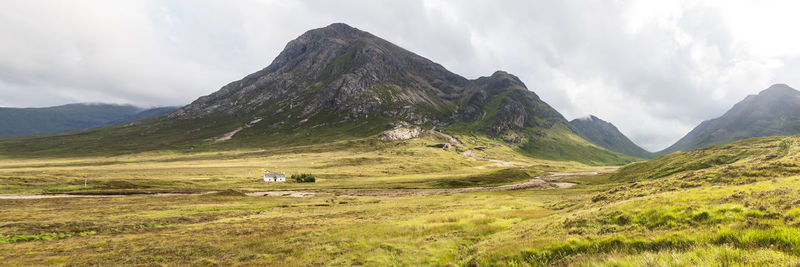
(504, 79)
(607, 135)
(503, 75)
(339, 73)
(336, 30)
(321, 46)
(588, 118)
(340, 69)
(777, 99)
(773, 111)
(778, 90)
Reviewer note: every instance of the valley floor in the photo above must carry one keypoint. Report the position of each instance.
(354, 218)
(545, 181)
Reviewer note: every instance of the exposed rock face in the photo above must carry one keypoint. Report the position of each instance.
(446, 147)
(504, 103)
(401, 133)
(342, 70)
(343, 74)
(512, 137)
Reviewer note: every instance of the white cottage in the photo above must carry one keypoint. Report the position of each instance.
(274, 177)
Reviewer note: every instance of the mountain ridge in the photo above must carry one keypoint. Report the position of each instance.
(773, 111)
(46, 120)
(607, 135)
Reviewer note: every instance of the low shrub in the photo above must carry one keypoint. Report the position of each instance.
(304, 178)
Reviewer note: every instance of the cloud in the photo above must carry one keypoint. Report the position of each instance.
(654, 69)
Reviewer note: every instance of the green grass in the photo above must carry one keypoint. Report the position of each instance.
(729, 205)
(769, 149)
(554, 253)
(366, 163)
(781, 239)
(493, 178)
(558, 143)
(563, 145)
(256, 230)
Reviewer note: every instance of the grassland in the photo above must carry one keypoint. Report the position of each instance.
(415, 163)
(730, 205)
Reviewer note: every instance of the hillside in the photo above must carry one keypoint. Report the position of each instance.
(340, 83)
(605, 134)
(36, 121)
(772, 112)
(755, 157)
(732, 204)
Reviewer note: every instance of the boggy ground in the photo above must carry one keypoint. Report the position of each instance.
(545, 181)
(734, 205)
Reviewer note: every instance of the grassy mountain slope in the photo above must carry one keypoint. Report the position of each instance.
(774, 111)
(730, 204)
(607, 135)
(36, 121)
(726, 164)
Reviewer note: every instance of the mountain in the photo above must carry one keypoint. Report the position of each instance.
(774, 111)
(146, 113)
(339, 83)
(605, 134)
(35, 121)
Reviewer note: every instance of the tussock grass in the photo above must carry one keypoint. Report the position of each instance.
(228, 193)
(554, 253)
(730, 205)
(782, 239)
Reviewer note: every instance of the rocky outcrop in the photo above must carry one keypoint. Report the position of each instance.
(401, 133)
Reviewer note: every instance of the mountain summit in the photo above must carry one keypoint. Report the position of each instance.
(774, 111)
(338, 83)
(607, 135)
(339, 74)
(341, 71)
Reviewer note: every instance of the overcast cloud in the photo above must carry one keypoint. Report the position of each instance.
(653, 68)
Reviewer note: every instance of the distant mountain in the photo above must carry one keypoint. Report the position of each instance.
(338, 83)
(36, 121)
(607, 135)
(774, 111)
(146, 113)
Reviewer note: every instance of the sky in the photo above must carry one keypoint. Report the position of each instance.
(655, 69)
